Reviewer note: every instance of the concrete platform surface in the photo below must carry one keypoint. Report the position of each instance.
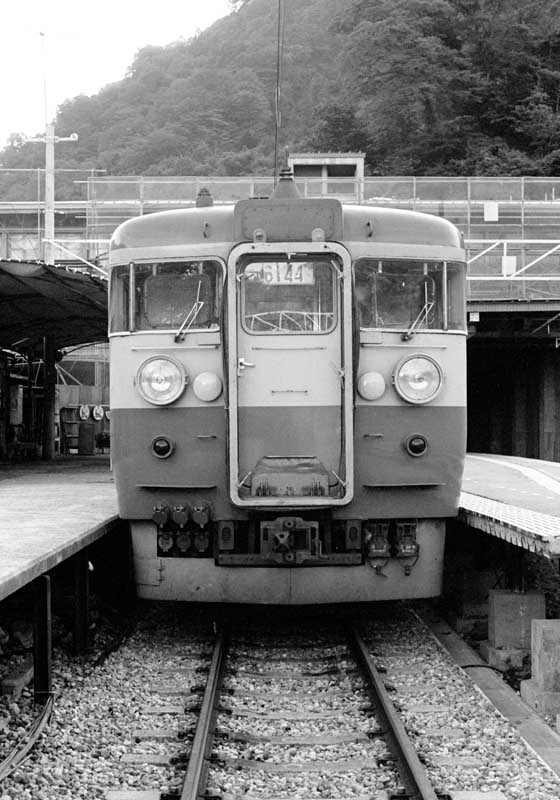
(516, 499)
(524, 482)
(48, 512)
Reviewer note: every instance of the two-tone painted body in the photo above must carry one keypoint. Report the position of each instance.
(289, 468)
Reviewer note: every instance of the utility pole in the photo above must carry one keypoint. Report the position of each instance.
(48, 254)
(50, 140)
(47, 249)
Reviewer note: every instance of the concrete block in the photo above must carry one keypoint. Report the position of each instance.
(545, 654)
(510, 615)
(503, 658)
(14, 683)
(540, 701)
(132, 794)
(156, 759)
(467, 762)
(542, 692)
(476, 795)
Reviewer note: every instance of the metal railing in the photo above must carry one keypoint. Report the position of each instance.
(513, 269)
(522, 208)
(511, 224)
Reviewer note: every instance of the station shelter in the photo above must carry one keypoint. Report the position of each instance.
(45, 312)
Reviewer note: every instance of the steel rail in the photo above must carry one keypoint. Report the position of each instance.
(413, 773)
(21, 752)
(197, 769)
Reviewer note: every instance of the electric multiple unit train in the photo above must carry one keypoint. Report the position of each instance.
(288, 399)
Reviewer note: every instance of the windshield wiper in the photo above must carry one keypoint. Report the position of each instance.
(426, 308)
(191, 316)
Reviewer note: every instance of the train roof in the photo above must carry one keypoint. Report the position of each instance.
(235, 223)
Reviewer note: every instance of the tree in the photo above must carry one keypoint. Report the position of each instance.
(410, 80)
(430, 79)
(337, 128)
(421, 86)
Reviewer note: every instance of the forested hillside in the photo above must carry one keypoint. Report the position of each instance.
(445, 87)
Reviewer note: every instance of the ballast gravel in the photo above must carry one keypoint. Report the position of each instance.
(97, 712)
(464, 741)
(315, 692)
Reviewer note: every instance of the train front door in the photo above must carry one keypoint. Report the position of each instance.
(290, 382)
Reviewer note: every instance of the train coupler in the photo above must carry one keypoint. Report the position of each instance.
(289, 541)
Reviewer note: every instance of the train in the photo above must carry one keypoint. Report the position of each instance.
(288, 398)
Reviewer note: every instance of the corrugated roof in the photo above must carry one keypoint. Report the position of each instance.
(38, 300)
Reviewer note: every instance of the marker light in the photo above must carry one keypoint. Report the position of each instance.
(162, 447)
(161, 380)
(418, 379)
(207, 386)
(416, 444)
(371, 385)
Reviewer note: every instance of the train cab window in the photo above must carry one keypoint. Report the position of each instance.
(288, 295)
(165, 294)
(404, 294)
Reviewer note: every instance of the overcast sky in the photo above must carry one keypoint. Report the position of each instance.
(76, 48)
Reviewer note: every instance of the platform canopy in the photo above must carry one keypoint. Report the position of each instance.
(38, 300)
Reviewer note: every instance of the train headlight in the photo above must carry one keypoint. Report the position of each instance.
(371, 385)
(207, 386)
(418, 379)
(161, 380)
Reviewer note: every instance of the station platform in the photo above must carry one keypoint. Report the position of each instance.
(49, 512)
(512, 498)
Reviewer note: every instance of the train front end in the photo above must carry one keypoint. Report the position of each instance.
(273, 438)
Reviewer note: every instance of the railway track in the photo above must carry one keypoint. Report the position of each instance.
(304, 714)
(276, 709)
(21, 750)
